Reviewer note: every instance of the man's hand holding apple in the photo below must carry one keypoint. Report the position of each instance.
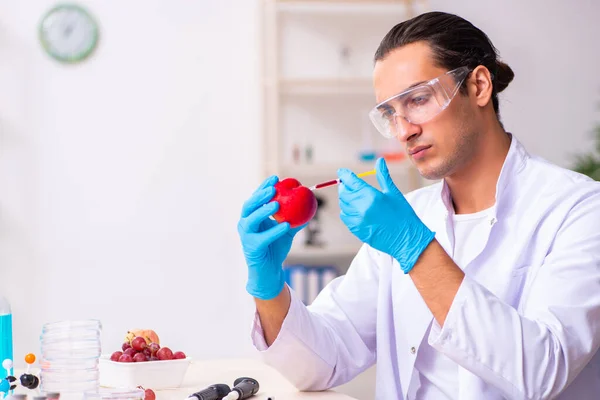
(266, 242)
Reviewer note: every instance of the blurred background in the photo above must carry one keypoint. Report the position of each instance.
(123, 168)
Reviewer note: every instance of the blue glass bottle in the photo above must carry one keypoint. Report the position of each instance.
(6, 332)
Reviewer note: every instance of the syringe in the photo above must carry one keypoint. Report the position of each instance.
(337, 181)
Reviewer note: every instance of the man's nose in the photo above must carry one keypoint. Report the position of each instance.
(405, 129)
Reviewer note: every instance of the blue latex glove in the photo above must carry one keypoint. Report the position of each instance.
(265, 242)
(382, 219)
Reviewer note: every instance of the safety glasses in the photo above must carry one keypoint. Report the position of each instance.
(418, 104)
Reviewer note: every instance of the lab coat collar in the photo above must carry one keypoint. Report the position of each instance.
(515, 161)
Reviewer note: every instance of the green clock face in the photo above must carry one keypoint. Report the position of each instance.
(68, 33)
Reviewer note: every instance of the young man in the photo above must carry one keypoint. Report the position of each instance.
(483, 286)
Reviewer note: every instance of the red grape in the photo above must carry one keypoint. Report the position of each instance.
(125, 358)
(154, 347)
(130, 352)
(153, 358)
(125, 346)
(178, 355)
(164, 354)
(139, 343)
(148, 393)
(140, 357)
(147, 352)
(115, 356)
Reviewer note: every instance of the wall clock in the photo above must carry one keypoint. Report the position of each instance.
(68, 33)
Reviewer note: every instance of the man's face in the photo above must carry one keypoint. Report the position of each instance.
(449, 139)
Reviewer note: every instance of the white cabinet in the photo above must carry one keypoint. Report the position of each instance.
(317, 88)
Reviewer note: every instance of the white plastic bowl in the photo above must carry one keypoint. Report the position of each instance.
(155, 375)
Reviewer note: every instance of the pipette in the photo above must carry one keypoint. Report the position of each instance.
(213, 392)
(242, 389)
(336, 181)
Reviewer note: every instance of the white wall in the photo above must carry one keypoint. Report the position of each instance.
(121, 179)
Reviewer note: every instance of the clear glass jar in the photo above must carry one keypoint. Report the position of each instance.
(70, 352)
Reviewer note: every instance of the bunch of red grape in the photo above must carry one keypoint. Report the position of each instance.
(140, 351)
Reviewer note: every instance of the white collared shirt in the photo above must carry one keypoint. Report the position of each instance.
(525, 322)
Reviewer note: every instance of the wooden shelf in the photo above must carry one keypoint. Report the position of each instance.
(326, 86)
(339, 7)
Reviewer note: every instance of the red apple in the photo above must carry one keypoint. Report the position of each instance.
(297, 203)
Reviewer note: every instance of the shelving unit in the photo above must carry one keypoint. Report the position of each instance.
(317, 91)
(337, 251)
(326, 86)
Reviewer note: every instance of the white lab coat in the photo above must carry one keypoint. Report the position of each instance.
(525, 322)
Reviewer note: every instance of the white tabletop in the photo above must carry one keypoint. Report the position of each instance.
(203, 373)
(272, 384)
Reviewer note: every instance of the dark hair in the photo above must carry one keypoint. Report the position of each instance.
(455, 42)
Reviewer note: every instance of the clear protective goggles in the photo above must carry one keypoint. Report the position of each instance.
(418, 104)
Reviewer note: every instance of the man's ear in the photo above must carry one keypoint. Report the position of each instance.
(480, 85)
